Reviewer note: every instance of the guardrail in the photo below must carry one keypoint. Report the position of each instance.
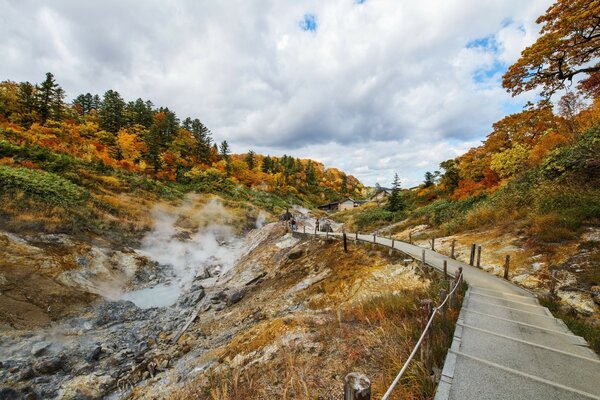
(357, 385)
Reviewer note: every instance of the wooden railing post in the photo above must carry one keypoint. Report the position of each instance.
(445, 269)
(357, 386)
(423, 257)
(472, 259)
(452, 295)
(553, 283)
(374, 239)
(426, 310)
(356, 236)
(452, 249)
(433, 243)
(304, 229)
(479, 257)
(506, 266)
(392, 243)
(443, 294)
(345, 243)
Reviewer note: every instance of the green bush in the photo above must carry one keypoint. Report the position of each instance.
(373, 217)
(44, 185)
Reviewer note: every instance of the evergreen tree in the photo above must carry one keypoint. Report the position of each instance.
(429, 179)
(311, 175)
(57, 106)
(46, 96)
(111, 112)
(27, 104)
(224, 155)
(84, 103)
(250, 160)
(267, 165)
(451, 176)
(202, 136)
(396, 200)
(139, 112)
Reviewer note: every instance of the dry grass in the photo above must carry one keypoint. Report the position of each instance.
(373, 336)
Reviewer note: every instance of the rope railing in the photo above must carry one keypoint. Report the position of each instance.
(418, 344)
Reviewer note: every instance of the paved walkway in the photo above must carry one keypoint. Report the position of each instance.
(506, 345)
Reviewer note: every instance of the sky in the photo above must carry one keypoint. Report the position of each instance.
(372, 87)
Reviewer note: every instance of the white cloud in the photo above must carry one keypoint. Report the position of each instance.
(378, 87)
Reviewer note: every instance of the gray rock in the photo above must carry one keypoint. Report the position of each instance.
(235, 297)
(95, 354)
(40, 348)
(49, 365)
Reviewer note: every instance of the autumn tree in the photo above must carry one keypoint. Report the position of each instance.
(569, 45)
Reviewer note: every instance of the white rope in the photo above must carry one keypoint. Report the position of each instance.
(412, 354)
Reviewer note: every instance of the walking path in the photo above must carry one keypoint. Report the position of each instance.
(506, 345)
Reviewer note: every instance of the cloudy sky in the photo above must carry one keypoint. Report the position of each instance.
(371, 87)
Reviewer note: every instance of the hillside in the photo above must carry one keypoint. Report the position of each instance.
(90, 165)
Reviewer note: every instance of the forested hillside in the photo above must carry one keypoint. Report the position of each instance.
(93, 153)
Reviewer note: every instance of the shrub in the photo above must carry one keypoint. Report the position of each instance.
(44, 185)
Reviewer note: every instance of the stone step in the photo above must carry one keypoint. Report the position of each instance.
(531, 306)
(546, 363)
(525, 331)
(476, 379)
(507, 295)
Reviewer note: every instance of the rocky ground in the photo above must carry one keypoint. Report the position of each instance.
(577, 263)
(75, 338)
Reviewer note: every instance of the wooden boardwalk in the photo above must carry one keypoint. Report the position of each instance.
(506, 345)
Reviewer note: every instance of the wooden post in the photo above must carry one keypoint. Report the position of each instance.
(452, 251)
(392, 243)
(423, 257)
(345, 243)
(443, 294)
(472, 258)
(356, 236)
(458, 275)
(478, 256)
(357, 386)
(410, 237)
(426, 310)
(445, 269)
(506, 266)
(433, 243)
(374, 240)
(453, 302)
(304, 229)
(553, 283)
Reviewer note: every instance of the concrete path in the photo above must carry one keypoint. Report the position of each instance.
(506, 345)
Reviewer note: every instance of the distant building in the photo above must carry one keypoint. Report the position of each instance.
(381, 195)
(342, 205)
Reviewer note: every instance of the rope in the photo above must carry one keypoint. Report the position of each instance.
(412, 354)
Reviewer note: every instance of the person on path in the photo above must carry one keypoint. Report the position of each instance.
(317, 224)
(293, 222)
